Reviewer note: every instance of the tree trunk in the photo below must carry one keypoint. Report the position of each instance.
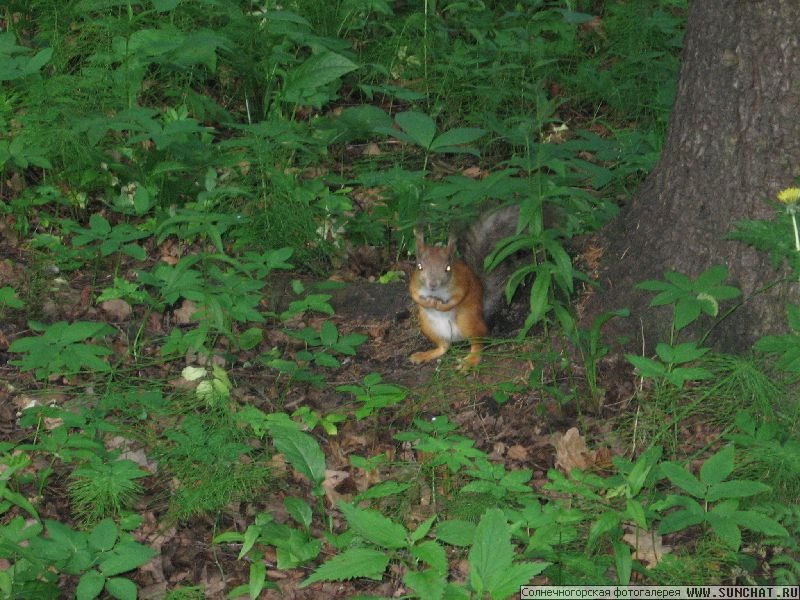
(733, 141)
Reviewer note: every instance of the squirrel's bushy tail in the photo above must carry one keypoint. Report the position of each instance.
(479, 241)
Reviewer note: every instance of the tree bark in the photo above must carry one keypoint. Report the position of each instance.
(733, 141)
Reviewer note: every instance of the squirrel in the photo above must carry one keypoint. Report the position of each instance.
(454, 304)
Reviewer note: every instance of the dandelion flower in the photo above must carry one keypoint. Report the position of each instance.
(789, 195)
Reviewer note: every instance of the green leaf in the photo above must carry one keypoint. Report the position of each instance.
(623, 562)
(427, 584)
(539, 296)
(450, 140)
(647, 367)
(300, 449)
(419, 126)
(717, 467)
(711, 277)
(456, 532)
(374, 527)
(126, 556)
(299, 510)
(317, 71)
(735, 489)
(491, 553)
(727, 530)
(258, 575)
(328, 333)
(121, 588)
(422, 529)
(679, 520)
(90, 585)
(606, 522)
(431, 553)
(760, 523)
(103, 536)
(508, 582)
(356, 562)
(680, 477)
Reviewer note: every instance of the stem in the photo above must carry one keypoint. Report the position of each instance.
(796, 235)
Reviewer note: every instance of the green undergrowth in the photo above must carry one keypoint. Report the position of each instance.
(164, 162)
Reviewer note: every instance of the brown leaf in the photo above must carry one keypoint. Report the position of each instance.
(571, 451)
(117, 309)
(183, 315)
(518, 453)
(647, 546)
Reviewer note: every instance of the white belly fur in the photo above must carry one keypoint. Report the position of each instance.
(443, 324)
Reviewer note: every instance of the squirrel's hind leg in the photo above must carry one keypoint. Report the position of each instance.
(428, 355)
(473, 358)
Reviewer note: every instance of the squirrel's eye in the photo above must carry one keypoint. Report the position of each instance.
(447, 268)
(419, 266)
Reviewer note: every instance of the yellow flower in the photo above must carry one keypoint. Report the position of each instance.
(789, 195)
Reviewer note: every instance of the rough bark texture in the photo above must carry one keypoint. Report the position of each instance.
(733, 140)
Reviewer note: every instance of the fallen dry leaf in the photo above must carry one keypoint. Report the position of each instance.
(117, 309)
(571, 451)
(647, 546)
(518, 453)
(183, 315)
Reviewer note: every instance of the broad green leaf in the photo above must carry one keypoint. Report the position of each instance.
(456, 532)
(687, 310)
(103, 536)
(328, 333)
(450, 141)
(299, 510)
(680, 477)
(735, 489)
(679, 520)
(760, 523)
(374, 527)
(121, 588)
(431, 553)
(300, 449)
(419, 127)
(258, 575)
(427, 584)
(422, 529)
(491, 553)
(717, 467)
(508, 582)
(126, 556)
(356, 562)
(623, 562)
(90, 585)
(605, 523)
(635, 512)
(727, 530)
(539, 296)
(317, 71)
(712, 276)
(647, 366)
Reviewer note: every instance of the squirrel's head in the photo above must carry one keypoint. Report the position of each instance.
(434, 263)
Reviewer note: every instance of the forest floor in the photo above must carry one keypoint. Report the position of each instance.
(493, 405)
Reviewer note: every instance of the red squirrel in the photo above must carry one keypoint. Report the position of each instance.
(449, 293)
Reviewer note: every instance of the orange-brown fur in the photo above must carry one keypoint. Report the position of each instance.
(449, 297)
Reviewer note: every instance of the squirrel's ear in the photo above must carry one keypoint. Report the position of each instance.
(419, 238)
(451, 243)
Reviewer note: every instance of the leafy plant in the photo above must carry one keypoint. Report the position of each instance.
(60, 351)
(374, 395)
(720, 499)
(293, 547)
(98, 558)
